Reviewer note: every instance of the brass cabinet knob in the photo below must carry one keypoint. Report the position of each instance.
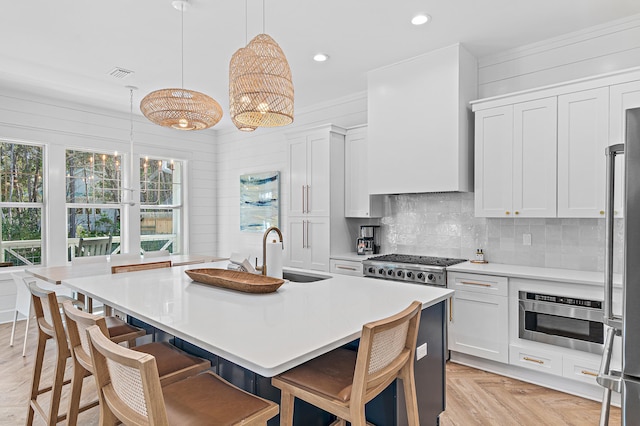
(601, 211)
(517, 212)
(507, 212)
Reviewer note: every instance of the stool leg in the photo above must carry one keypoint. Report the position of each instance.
(76, 390)
(13, 328)
(56, 391)
(410, 397)
(26, 333)
(286, 408)
(37, 372)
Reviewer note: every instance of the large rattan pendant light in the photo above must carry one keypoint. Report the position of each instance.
(181, 108)
(260, 84)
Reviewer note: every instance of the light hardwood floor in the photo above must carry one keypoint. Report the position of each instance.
(474, 397)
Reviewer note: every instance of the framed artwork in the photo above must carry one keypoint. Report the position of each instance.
(259, 201)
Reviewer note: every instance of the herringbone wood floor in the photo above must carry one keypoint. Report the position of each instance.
(474, 397)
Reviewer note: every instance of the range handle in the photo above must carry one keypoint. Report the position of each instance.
(609, 318)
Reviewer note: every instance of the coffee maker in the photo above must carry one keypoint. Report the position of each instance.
(369, 241)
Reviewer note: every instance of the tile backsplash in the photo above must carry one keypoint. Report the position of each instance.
(443, 224)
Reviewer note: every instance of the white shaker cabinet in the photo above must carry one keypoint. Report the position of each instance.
(310, 167)
(583, 124)
(308, 243)
(358, 202)
(478, 315)
(316, 225)
(515, 160)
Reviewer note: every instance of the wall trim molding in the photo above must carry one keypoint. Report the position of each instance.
(561, 41)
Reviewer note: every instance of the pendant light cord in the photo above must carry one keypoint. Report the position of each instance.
(263, 18)
(182, 44)
(246, 24)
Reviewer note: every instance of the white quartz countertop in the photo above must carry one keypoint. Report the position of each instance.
(265, 333)
(536, 273)
(352, 256)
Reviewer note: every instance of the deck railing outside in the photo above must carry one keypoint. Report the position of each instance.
(28, 252)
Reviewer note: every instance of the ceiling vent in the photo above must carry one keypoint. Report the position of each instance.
(120, 73)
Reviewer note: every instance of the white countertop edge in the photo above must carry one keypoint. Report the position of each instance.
(535, 273)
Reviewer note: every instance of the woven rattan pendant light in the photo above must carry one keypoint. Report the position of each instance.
(260, 84)
(181, 108)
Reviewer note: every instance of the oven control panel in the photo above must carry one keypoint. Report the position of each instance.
(596, 304)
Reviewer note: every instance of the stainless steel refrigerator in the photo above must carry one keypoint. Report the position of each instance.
(626, 381)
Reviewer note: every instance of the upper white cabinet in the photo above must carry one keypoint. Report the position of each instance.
(418, 117)
(540, 152)
(515, 172)
(583, 123)
(358, 202)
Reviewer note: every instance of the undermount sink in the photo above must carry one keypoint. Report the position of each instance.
(298, 277)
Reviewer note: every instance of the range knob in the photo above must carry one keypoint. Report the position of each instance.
(372, 270)
(431, 277)
(389, 272)
(420, 276)
(381, 271)
(409, 274)
(400, 274)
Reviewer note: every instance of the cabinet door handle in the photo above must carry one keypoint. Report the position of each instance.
(308, 188)
(348, 268)
(537, 361)
(450, 309)
(602, 212)
(303, 211)
(475, 283)
(589, 373)
(303, 226)
(517, 212)
(507, 212)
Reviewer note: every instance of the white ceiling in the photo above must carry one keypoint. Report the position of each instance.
(68, 46)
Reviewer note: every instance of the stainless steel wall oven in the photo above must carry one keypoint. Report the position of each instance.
(562, 321)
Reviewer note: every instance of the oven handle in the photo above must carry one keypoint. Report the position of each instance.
(587, 314)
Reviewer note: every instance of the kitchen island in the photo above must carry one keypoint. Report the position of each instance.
(267, 334)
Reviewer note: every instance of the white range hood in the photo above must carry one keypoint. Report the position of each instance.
(420, 131)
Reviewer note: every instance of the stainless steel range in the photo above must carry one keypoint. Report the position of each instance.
(403, 267)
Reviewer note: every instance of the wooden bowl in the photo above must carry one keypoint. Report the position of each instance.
(235, 280)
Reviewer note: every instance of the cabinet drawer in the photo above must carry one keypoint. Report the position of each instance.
(346, 267)
(583, 370)
(535, 359)
(487, 284)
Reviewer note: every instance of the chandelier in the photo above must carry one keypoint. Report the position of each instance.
(260, 85)
(181, 109)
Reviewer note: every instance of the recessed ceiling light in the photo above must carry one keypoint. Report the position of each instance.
(420, 19)
(320, 57)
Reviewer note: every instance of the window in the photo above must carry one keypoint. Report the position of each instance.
(160, 204)
(21, 202)
(93, 187)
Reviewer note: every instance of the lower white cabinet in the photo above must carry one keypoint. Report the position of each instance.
(346, 267)
(309, 243)
(478, 316)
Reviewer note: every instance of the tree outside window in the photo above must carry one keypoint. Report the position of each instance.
(21, 202)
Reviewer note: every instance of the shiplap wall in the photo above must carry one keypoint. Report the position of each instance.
(597, 50)
(265, 150)
(60, 124)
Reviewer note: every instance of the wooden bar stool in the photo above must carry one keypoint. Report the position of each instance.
(130, 392)
(51, 327)
(173, 363)
(342, 382)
